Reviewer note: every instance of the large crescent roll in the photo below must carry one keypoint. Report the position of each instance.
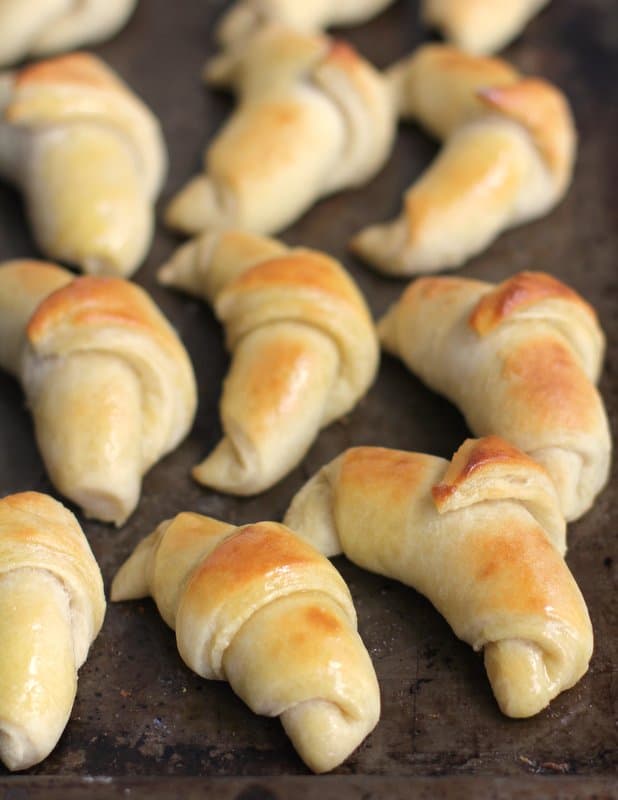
(519, 360)
(89, 158)
(44, 27)
(263, 610)
(313, 118)
(480, 26)
(246, 16)
(304, 350)
(51, 609)
(507, 158)
(109, 383)
(480, 537)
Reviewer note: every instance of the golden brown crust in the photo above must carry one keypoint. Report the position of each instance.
(519, 360)
(255, 551)
(309, 270)
(99, 301)
(78, 69)
(35, 503)
(110, 386)
(467, 67)
(547, 377)
(479, 456)
(392, 473)
(295, 315)
(490, 562)
(314, 118)
(342, 53)
(516, 569)
(517, 293)
(318, 619)
(508, 154)
(543, 110)
(423, 205)
(262, 609)
(34, 276)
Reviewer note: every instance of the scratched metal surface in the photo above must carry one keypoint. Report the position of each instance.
(142, 720)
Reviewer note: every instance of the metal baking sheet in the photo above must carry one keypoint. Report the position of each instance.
(143, 724)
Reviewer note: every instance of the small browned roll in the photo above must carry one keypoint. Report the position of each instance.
(256, 606)
(313, 118)
(109, 383)
(508, 154)
(520, 360)
(304, 350)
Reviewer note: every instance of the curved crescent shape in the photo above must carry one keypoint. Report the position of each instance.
(109, 383)
(313, 118)
(480, 538)
(519, 360)
(263, 610)
(294, 315)
(507, 158)
(88, 156)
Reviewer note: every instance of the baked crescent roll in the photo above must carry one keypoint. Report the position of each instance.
(246, 16)
(51, 609)
(43, 27)
(304, 350)
(313, 118)
(109, 384)
(256, 606)
(507, 158)
(89, 158)
(480, 26)
(480, 537)
(519, 360)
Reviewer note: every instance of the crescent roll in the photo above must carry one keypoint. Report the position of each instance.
(507, 158)
(480, 26)
(313, 118)
(51, 609)
(304, 350)
(89, 158)
(480, 537)
(109, 383)
(256, 606)
(44, 27)
(246, 16)
(519, 360)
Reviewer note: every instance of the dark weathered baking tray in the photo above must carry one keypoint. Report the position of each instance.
(143, 724)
